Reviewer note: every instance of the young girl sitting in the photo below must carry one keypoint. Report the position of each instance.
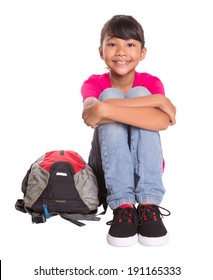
(127, 109)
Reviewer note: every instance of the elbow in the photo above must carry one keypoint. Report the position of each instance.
(162, 120)
(163, 127)
(157, 126)
(164, 124)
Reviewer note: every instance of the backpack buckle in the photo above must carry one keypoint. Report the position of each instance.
(38, 218)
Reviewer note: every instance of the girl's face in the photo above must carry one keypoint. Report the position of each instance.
(121, 56)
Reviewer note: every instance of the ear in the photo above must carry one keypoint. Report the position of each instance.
(143, 53)
(100, 52)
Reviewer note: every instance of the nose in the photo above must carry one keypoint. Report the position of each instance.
(120, 51)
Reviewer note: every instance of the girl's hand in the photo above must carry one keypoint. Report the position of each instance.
(166, 106)
(92, 113)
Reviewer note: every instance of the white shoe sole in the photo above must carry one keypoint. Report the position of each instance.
(122, 242)
(153, 241)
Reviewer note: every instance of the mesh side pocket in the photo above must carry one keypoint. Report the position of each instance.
(87, 186)
(37, 182)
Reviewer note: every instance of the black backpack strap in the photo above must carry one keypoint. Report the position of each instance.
(38, 218)
(105, 206)
(73, 218)
(95, 162)
(20, 206)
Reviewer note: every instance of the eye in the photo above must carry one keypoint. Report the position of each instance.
(111, 44)
(130, 45)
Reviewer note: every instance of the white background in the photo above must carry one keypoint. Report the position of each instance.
(47, 50)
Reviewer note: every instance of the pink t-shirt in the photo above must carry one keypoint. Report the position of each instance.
(96, 84)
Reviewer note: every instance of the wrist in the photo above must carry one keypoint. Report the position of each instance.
(104, 110)
(158, 102)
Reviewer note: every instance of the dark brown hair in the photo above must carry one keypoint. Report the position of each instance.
(123, 27)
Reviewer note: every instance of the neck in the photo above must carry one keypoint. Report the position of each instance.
(123, 83)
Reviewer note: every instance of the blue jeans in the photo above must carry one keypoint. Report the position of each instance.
(130, 157)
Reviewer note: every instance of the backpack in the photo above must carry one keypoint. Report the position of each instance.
(60, 183)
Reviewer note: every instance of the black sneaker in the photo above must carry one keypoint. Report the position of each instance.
(123, 230)
(151, 229)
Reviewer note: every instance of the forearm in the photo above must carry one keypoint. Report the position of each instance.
(149, 118)
(152, 101)
(142, 117)
(143, 101)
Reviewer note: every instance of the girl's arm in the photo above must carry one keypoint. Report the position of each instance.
(149, 118)
(154, 101)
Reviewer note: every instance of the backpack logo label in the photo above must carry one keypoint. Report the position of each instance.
(61, 174)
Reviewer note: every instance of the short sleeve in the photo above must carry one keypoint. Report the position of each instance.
(152, 83)
(155, 86)
(90, 88)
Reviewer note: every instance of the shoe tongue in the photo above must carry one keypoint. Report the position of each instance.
(126, 206)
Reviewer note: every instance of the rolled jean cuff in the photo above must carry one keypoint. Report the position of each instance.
(149, 199)
(116, 203)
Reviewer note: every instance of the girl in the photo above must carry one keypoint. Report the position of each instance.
(127, 110)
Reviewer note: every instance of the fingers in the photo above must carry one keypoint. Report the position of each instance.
(170, 109)
(172, 121)
(173, 117)
(88, 119)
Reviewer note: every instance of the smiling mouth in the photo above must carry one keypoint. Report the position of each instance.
(121, 62)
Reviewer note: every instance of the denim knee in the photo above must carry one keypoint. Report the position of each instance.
(137, 92)
(111, 93)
